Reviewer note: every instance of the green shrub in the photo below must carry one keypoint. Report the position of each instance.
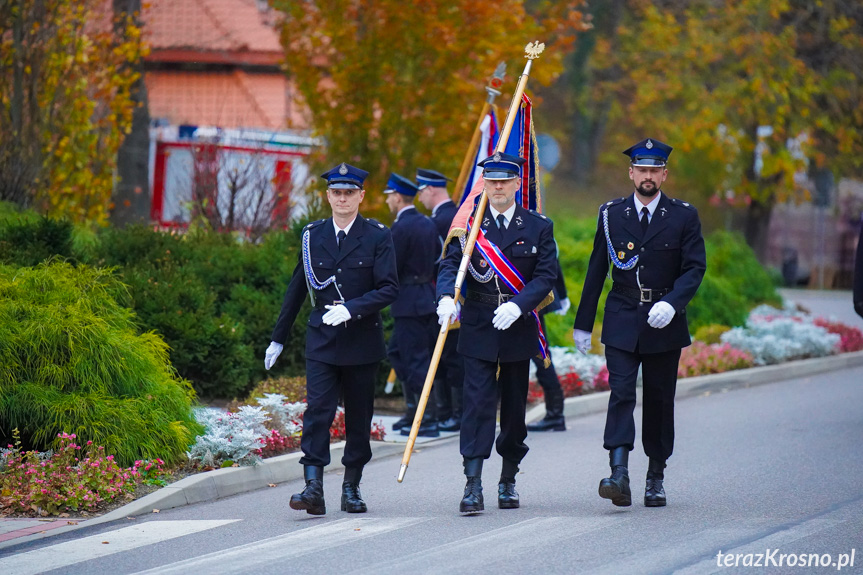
(72, 361)
(710, 334)
(27, 241)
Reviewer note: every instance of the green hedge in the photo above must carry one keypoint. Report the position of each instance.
(214, 300)
(72, 360)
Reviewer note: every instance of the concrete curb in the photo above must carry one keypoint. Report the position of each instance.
(231, 481)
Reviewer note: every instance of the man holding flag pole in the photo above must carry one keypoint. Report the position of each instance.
(510, 253)
(512, 271)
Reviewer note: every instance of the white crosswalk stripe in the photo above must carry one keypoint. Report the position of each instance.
(478, 552)
(95, 546)
(244, 558)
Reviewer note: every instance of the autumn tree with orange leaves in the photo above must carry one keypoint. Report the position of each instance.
(392, 86)
(704, 76)
(66, 71)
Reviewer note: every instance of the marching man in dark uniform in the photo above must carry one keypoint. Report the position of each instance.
(655, 246)
(450, 373)
(512, 272)
(348, 269)
(416, 244)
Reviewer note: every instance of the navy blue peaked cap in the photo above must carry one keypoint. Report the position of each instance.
(649, 153)
(345, 176)
(431, 178)
(501, 166)
(401, 185)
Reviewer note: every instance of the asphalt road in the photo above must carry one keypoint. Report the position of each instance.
(771, 470)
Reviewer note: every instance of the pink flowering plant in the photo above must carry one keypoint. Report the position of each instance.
(69, 478)
(703, 358)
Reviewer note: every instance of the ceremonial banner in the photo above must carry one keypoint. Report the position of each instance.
(522, 143)
(489, 135)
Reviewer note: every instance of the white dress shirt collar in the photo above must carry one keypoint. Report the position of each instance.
(507, 214)
(651, 207)
(347, 229)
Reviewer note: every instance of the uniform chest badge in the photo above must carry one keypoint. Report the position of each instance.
(627, 211)
(483, 263)
(518, 220)
(621, 255)
(630, 246)
(663, 210)
(486, 222)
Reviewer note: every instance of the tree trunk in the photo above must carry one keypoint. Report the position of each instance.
(756, 227)
(131, 196)
(590, 117)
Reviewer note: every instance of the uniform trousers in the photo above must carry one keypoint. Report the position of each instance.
(481, 392)
(324, 383)
(450, 376)
(659, 380)
(410, 351)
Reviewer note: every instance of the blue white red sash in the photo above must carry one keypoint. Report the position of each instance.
(510, 277)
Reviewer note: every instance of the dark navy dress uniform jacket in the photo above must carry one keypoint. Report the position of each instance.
(528, 243)
(417, 248)
(671, 255)
(365, 271)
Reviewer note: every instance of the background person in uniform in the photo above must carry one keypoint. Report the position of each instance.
(348, 268)
(655, 245)
(499, 333)
(858, 276)
(450, 372)
(416, 244)
(547, 376)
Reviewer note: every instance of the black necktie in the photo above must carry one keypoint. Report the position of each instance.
(341, 237)
(645, 219)
(501, 222)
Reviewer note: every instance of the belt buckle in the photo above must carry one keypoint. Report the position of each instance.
(649, 297)
(338, 301)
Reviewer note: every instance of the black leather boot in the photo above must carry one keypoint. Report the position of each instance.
(428, 426)
(472, 501)
(616, 487)
(507, 496)
(311, 499)
(352, 501)
(654, 494)
(553, 420)
(410, 410)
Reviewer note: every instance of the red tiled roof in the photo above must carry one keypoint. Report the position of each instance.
(208, 25)
(228, 99)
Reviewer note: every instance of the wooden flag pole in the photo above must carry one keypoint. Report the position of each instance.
(532, 51)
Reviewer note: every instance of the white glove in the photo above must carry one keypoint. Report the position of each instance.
(582, 340)
(337, 314)
(272, 353)
(447, 310)
(505, 315)
(564, 306)
(660, 314)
